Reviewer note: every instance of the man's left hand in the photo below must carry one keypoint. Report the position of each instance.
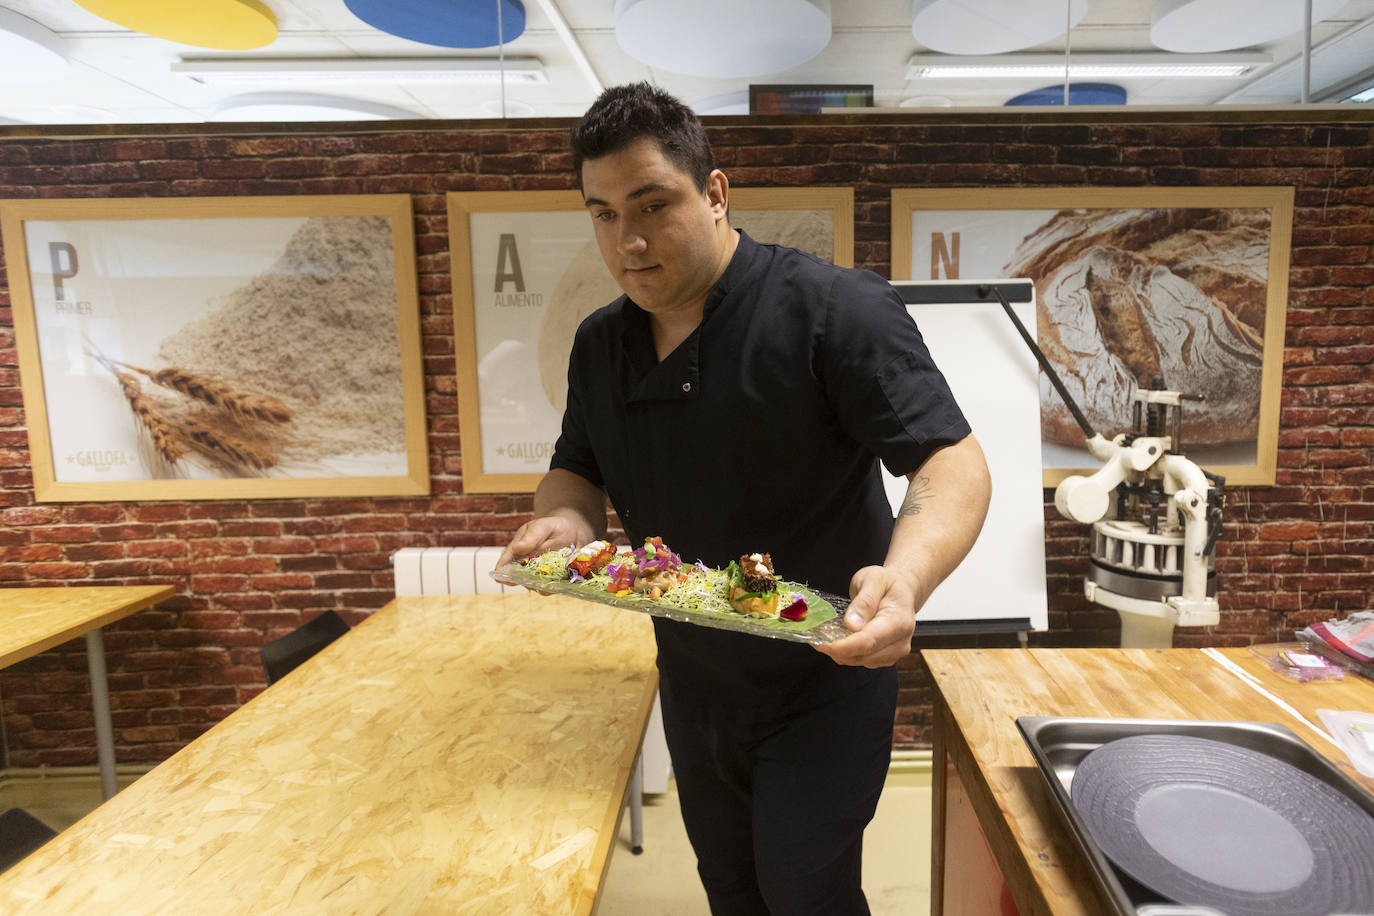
(882, 617)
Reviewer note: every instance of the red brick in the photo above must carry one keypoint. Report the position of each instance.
(1287, 531)
(39, 571)
(347, 544)
(283, 545)
(277, 582)
(30, 515)
(167, 548)
(220, 547)
(65, 534)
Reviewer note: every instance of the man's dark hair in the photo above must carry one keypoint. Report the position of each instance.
(623, 114)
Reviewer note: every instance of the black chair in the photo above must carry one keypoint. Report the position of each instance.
(20, 834)
(282, 655)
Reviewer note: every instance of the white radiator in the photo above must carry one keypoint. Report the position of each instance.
(467, 571)
(447, 571)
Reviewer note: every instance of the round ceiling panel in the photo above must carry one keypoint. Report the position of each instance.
(723, 38)
(304, 106)
(1223, 25)
(29, 51)
(1079, 94)
(445, 23)
(225, 25)
(992, 26)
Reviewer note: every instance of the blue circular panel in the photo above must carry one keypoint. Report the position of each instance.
(446, 23)
(1079, 94)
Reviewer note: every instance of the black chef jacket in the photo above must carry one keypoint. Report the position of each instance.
(760, 433)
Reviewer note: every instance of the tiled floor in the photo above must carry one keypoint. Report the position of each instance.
(663, 879)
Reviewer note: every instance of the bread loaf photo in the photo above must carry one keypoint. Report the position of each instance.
(1125, 296)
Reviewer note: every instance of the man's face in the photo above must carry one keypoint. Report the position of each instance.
(663, 239)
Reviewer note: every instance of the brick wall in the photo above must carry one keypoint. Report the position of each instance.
(246, 571)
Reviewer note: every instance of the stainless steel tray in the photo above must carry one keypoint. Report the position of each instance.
(1059, 744)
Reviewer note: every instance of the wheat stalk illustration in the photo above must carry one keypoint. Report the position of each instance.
(166, 438)
(216, 432)
(218, 442)
(212, 391)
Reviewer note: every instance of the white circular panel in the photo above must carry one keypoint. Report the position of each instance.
(30, 53)
(991, 26)
(723, 38)
(926, 101)
(304, 106)
(1223, 25)
(727, 103)
(511, 109)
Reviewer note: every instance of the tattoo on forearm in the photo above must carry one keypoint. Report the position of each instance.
(919, 490)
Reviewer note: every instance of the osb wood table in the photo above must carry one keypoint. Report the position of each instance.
(33, 620)
(996, 833)
(452, 754)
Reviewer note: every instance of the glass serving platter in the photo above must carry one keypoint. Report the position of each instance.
(822, 624)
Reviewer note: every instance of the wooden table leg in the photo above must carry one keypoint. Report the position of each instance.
(965, 878)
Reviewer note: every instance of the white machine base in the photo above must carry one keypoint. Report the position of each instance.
(1150, 624)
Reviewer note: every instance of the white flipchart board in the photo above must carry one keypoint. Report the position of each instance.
(994, 376)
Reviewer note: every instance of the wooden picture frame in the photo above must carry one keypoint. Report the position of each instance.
(526, 270)
(218, 348)
(1187, 284)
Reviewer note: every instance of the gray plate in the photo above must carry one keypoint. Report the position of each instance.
(1203, 821)
(1061, 745)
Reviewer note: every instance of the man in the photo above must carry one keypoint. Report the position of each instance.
(737, 400)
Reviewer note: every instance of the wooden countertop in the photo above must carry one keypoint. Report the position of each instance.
(33, 620)
(982, 692)
(452, 754)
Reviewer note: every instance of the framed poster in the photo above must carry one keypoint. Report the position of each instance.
(1187, 285)
(218, 348)
(527, 271)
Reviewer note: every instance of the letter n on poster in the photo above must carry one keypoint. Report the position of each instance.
(218, 348)
(526, 272)
(1185, 285)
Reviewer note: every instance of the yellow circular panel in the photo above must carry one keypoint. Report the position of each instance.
(228, 25)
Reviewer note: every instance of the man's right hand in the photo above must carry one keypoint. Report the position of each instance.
(547, 533)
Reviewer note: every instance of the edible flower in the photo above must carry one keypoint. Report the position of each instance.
(796, 610)
(622, 578)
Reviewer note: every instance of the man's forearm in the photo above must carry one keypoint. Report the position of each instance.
(570, 496)
(945, 506)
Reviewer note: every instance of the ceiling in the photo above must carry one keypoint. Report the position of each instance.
(119, 76)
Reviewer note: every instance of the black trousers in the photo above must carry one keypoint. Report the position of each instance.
(776, 810)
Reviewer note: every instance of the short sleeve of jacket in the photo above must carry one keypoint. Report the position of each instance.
(573, 450)
(880, 378)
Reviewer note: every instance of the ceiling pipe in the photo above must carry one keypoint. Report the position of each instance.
(560, 25)
(1282, 68)
(1307, 52)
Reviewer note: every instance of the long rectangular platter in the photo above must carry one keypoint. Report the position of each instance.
(822, 624)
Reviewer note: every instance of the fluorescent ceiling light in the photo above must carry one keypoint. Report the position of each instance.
(362, 70)
(1049, 66)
